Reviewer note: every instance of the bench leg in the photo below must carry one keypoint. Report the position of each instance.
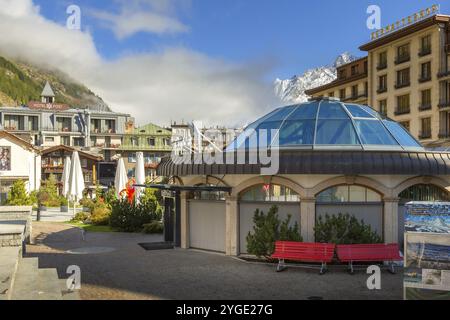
(350, 268)
(281, 266)
(323, 268)
(391, 268)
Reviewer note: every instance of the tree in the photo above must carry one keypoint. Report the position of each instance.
(48, 193)
(268, 229)
(18, 195)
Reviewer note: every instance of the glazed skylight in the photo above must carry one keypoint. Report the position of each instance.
(326, 124)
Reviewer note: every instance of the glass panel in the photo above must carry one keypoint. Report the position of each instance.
(371, 111)
(373, 196)
(305, 111)
(332, 111)
(401, 134)
(334, 194)
(373, 132)
(357, 194)
(274, 192)
(357, 111)
(336, 132)
(297, 132)
(281, 114)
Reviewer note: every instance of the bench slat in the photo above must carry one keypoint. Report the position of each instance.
(368, 252)
(303, 251)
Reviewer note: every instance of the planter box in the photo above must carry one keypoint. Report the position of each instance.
(43, 208)
(64, 209)
(86, 209)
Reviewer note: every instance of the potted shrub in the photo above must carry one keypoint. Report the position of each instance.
(87, 204)
(64, 204)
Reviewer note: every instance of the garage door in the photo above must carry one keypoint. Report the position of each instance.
(247, 211)
(207, 225)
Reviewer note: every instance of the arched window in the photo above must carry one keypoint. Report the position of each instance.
(347, 193)
(424, 192)
(270, 193)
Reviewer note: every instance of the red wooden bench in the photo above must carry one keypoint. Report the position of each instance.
(369, 252)
(304, 252)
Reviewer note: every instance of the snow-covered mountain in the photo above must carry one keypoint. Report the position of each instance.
(293, 90)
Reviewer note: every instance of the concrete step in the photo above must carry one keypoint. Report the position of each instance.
(67, 294)
(25, 285)
(10, 258)
(49, 285)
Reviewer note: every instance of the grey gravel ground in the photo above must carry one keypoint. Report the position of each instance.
(129, 272)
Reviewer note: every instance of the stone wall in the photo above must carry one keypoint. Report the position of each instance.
(18, 215)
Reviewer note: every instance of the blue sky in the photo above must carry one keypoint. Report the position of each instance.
(290, 35)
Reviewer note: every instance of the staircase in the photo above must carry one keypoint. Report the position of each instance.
(21, 278)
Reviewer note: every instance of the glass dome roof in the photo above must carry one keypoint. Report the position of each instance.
(326, 124)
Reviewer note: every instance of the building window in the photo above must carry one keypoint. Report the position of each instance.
(33, 123)
(425, 47)
(166, 142)
(354, 70)
(382, 60)
(134, 142)
(355, 91)
(402, 54)
(65, 141)
(270, 193)
(348, 193)
(403, 106)
(49, 139)
(426, 128)
(96, 125)
(424, 192)
(342, 74)
(426, 100)
(403, 79)
(14, 122)
(405, 124)
(110, 126)
(78, 142)
(342, 94)
(132, 158)
(64, 124)
(331, 94)
(383, 107)
(382, 83)
(151, 142)
(425, 74)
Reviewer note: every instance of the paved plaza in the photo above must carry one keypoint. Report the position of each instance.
(114, 266)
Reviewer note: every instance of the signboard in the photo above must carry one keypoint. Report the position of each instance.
(427, 251)
(5, 158)
(402, 23)
(48, 106)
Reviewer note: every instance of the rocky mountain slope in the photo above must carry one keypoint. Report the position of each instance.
(293, 90)
(21, 82)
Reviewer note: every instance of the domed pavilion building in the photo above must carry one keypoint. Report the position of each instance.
(334, 158)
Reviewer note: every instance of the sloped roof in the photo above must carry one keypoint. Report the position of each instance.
(13, 138)
(48, 91)
(151, 129)
(71, 149)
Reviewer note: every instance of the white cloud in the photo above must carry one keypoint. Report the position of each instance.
(151, 16)
(172, 84)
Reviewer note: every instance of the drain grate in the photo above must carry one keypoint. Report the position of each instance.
(157, 245)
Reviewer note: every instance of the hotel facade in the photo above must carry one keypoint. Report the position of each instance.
(407, 78)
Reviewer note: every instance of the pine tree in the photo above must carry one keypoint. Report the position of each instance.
(18, 195)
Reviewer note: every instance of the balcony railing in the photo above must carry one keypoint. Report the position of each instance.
(424, 135)
(382, 90)
(401, 111)
(402, 59)
(382, 66)
(425, 106)
(444, 135)
(443, 73)
(402, 85)
(424, 52)
(425, 78)
(444, 104)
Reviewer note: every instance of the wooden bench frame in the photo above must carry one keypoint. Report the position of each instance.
(304, 252)
(369, 252)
